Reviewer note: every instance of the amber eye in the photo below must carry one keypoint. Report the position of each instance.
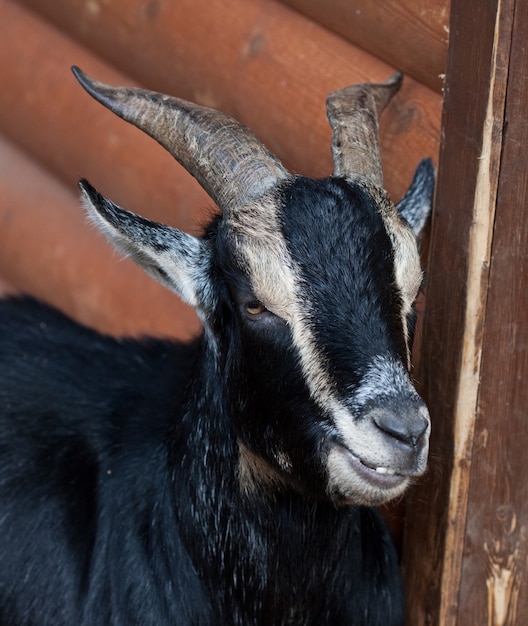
(255, 307)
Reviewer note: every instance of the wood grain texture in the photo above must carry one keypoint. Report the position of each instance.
(494, 582)
(411, 35)
(260, 61)
(48, 113)
(47, 249)
(453, 360)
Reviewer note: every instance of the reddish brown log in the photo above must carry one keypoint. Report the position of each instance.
(409, 34)
(5, 289)
(48, 249)
(50, 115)
(259, 60)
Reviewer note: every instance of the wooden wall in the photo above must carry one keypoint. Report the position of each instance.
(262, 61)
(271, 65)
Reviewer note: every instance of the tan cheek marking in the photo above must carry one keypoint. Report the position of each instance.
(256, 475)
(407, 266)
(407, 262)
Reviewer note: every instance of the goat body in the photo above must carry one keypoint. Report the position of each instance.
(228, 480)
(107, 519)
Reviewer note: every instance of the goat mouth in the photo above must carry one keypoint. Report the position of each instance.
(378, 476)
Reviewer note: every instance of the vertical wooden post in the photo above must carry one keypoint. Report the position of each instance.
(467, 529)
(494, 580)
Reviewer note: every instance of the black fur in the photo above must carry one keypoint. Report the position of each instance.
(117, 507)
(341, 245)
(120, 494)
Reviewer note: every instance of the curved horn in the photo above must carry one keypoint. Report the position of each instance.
(353, 115)
(226, 158)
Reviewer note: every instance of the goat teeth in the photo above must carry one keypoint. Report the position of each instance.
(385, 470)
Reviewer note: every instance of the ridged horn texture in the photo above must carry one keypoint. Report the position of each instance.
(226, 158)
(353, 114)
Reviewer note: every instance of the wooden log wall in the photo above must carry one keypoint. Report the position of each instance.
(261, 61)
(271, 65)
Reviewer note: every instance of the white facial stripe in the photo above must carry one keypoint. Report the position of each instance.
(407, 268)
(407, 265)
(259, 243)
(407, 261)
(384, 376)
(274, 278)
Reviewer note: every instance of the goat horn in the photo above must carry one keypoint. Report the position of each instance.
(353, 115)
(226, 158)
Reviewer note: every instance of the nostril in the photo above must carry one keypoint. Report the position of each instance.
(407, 428)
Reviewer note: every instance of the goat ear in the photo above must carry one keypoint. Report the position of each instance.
(177, 260)
(415, 206)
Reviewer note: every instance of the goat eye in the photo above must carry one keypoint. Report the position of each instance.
(255, 307)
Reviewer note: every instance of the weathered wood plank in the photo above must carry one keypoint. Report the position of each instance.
(477, 78)
(268, 65)
(409, 34)
(494, 584)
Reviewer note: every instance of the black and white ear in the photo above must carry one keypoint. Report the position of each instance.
(416, 205)
(177, 260)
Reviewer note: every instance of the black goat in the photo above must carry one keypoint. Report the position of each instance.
(229, 480)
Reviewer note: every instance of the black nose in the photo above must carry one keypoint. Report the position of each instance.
(405, 422)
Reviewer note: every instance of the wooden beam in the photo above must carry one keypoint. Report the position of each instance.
(48, 249)
(268, 65)
(494, 580)
(5, 289)
(458, 311)
(47, 112)
(409, 34)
